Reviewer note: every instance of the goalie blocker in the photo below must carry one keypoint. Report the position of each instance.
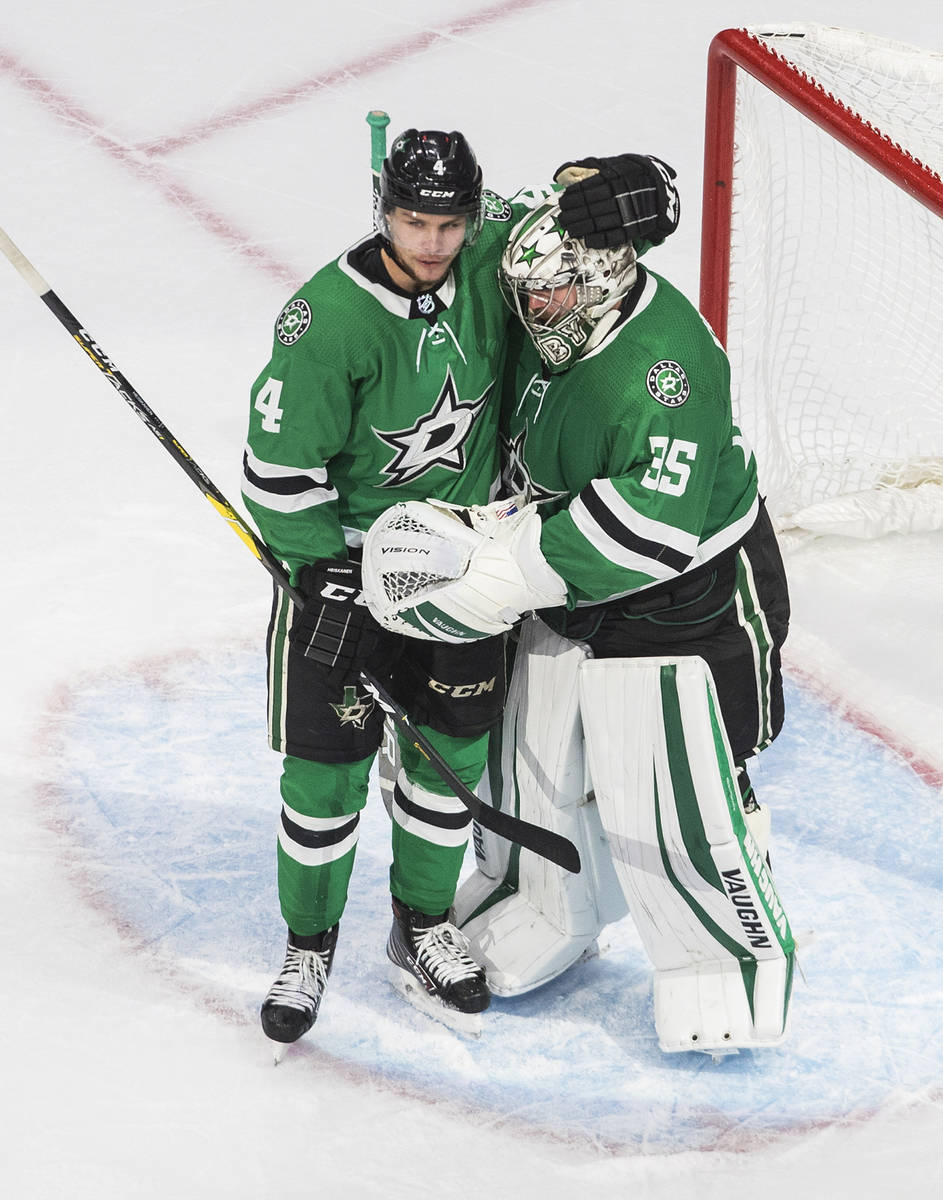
(663, 829)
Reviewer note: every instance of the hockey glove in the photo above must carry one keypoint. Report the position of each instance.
(335, 627)
(611, 201)
(449, 574)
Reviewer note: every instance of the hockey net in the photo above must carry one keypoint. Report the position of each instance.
(822, 270)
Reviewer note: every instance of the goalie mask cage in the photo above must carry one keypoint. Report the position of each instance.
(822, 270)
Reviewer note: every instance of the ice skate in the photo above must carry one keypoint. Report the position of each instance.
(291, 1006)
(433, 971)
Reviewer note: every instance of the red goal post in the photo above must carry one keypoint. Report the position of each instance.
(802, 243)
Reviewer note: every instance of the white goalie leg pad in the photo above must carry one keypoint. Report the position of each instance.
(697, 886)
(527, 919)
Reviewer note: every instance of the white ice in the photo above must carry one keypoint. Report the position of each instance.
(174, 171)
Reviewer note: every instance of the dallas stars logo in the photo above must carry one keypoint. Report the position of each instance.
(515, 474)
(668, 384)
(293, 320)
(437, 439)
(355, 709)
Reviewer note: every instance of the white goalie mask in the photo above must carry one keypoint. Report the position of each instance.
(559, 288)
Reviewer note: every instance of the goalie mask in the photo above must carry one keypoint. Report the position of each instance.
(565, 294)
(428, 171)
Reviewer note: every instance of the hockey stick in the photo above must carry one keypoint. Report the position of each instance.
(556, 848)
(532, 837)
(378, 120)
(150, 418)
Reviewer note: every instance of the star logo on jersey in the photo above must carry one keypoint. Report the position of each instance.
(437, 439)
(516, 478)
(668, 384)
(294, 319)
(355, 709)
(495, 207)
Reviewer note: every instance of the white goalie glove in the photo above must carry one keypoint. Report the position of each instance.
(449, 574)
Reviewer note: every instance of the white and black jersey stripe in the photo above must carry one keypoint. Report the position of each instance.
(637, 543)
(284, 489)
(314, 841)
(623, 535)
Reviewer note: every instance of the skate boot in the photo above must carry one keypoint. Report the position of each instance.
(291, 1006)
(433, 971)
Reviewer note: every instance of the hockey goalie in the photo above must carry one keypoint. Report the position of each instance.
(650, 676)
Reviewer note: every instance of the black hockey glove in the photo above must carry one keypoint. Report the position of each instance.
(611, 201)
(335, 627)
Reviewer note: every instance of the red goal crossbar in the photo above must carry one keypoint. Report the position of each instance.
(738, 48)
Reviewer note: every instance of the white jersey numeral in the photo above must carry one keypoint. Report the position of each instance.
(267, 404)
(670, 470)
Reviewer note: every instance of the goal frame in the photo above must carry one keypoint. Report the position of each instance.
(731, 51)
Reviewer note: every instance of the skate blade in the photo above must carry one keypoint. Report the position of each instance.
(407, 986)
(278, 1049)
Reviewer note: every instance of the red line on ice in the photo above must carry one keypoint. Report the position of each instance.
(140, 159)
(93, 130)
(378, 59)
(926, 770)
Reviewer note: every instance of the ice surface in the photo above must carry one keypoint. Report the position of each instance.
(173, 172)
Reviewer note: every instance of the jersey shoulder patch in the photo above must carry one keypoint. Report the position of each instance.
(293, 321)
(495, 207)
(667, 383)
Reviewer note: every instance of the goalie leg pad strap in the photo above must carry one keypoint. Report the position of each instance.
(528, 920)
(697, 886)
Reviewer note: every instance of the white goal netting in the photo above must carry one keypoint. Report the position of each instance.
(836, 300)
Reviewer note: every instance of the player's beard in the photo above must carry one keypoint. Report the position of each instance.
(422, 285)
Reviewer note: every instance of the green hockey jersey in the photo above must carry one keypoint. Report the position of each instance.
(632, 453)
(372, 397)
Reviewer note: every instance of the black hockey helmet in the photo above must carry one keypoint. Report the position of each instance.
(428, 171)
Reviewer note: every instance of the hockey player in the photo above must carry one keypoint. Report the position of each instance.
(645, 517)
(383, 386)
(618, 421)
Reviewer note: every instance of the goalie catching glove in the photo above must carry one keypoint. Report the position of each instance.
(448, 574)
(611, 201)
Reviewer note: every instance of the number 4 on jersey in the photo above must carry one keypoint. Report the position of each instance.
(267, 403)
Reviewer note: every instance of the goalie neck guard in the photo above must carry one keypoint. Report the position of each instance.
(428, 171)
(565, 294)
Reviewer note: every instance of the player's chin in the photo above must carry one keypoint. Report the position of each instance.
(431, 276)
(432, 270)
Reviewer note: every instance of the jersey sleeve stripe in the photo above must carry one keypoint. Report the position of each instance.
(622, 544)
(284, 489)
(731, 535)
(659, 533)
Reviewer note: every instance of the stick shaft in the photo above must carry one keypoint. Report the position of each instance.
(545, 842)
(135, 401)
